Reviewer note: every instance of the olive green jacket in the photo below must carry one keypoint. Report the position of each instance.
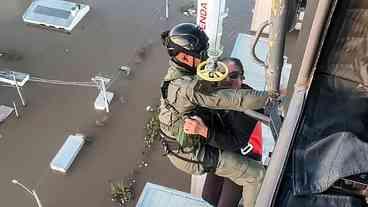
(183, 98)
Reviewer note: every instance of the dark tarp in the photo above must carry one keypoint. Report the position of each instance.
(332, 140)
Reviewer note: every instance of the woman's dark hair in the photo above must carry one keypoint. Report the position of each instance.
(229, 61)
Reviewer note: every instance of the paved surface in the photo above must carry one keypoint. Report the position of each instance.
(105, 39)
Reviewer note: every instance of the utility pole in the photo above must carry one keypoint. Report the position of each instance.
(31, 192)
(16, 109)
(167, 9)
(103, 88)
(19, 90)
(279, 28)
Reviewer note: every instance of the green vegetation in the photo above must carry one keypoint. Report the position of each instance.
(123, 191)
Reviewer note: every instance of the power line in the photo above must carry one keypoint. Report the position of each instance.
(60, 82)
(9, 86)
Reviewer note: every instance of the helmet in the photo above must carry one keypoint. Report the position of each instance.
(187, 38)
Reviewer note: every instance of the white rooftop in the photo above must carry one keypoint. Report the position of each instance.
(58, 14)
(67, 153)
(155, 195)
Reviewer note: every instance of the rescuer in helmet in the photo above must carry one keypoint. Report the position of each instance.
(186, 45)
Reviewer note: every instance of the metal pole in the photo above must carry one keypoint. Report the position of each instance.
(167, 9)
(19, 90)
(16, 109)
(254, 45)
(32, 192)
(280, 154)
(104, 94)
(37, 198)
(276, 44)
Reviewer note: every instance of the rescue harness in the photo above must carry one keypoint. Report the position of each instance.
(170, 145)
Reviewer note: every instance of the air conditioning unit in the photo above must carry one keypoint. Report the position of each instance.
(57, 14)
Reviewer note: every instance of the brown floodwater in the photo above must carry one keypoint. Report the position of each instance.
(114, 33)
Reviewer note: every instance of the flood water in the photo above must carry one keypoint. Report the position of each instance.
(111, 35)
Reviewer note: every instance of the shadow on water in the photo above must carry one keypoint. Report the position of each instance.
(10, 56)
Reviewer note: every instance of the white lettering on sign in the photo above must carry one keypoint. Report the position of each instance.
(203, 16)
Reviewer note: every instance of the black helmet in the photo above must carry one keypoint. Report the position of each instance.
(187, 38)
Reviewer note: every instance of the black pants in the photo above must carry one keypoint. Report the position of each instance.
(221, 192)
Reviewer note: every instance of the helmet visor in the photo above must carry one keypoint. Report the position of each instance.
(189, 42)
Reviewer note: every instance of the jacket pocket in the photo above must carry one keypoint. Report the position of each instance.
(173, 93)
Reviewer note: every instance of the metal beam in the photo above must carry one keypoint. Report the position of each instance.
(280, 155)
(277, 44)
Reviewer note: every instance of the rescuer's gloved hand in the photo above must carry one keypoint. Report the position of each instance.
(273, 95)
(195, 125)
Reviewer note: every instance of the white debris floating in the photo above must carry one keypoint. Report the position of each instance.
(149, 109)
(56, 14)
(125, 69)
